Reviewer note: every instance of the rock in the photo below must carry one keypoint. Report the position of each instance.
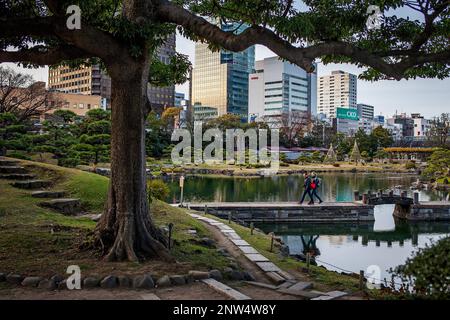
(62, 285)
(31, 281)
(223, 252)
(236, 275)
(47, 284)
(14, 278)
(199, 275)
(248, 276)
(65, 206)
(215, 274)
(57, 278)
(109, 282)
(143, 282)
(2, 277)
(90, 282)
(178, 280)
(124, 282)
(96, 217)
(207, 242)
(233, 265)
(164, 281)
(284, 251)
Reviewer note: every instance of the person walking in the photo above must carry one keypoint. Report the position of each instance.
(315, 184)
(307, 191)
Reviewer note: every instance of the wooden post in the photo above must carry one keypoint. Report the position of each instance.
(356, 195)
(361, 279)
(391, 193)
(206, 209)
(170, 235)
(380, 192)
(416, 197)
(252, 227)
(271, 241)
(308, 260)
(229, 218)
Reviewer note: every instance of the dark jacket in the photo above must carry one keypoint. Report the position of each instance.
(307, 183)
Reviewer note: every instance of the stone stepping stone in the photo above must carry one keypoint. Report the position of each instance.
(262, 285)
(31, 184)
(240, 242)
(300, 293)
(256, 257)
(12, 169)
(268, 267)
(149, 296)
(47, 194)
(248, 249)
(275, 277)
(286, 275)
(331, 295)
(301, 286)
(17, 176)
(226, 290)
(64, 206)
(228, 231)
(233, 235)
(8, 163)
(92, 216)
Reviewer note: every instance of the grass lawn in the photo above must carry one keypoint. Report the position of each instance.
(39, 241)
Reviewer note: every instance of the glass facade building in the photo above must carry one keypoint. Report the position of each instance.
(220, 78)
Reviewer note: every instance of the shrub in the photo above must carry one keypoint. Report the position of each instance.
(18, 155)
(410, 165)
(430, 269)
(68, 162)
(157, 189)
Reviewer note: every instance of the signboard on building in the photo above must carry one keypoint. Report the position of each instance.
(350, 114)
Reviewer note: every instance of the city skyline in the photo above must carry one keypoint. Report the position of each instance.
(430, 97)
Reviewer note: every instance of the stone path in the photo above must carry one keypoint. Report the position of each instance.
(285, 282)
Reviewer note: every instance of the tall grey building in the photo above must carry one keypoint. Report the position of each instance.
(338, 90)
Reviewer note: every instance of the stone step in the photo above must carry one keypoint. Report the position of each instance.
(65, 206)
(48, 194)
(4, 162)
(12, 169)
(17, 176)
(31, 184)
(299, 293)
(226, 290)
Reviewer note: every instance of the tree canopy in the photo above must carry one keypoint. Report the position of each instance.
(36, 33)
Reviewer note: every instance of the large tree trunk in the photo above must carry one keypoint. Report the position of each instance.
(126, 230)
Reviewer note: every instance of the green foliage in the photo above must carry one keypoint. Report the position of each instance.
(157, 189)
(410, 165)
(439, 164)
(18, 155)
(428, 271)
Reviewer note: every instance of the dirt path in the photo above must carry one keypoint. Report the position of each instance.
(194, 291)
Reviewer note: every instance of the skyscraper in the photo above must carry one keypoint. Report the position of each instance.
(280, 88)
(338, 90)
(220, 79)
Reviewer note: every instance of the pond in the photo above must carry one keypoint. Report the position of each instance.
(349, 246)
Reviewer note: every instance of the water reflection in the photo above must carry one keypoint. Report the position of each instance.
(355, 246)
(335, 187)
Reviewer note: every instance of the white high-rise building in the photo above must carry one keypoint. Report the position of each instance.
(279, 88)
(338, 90)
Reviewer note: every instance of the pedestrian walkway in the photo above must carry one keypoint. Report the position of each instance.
(285, 282)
